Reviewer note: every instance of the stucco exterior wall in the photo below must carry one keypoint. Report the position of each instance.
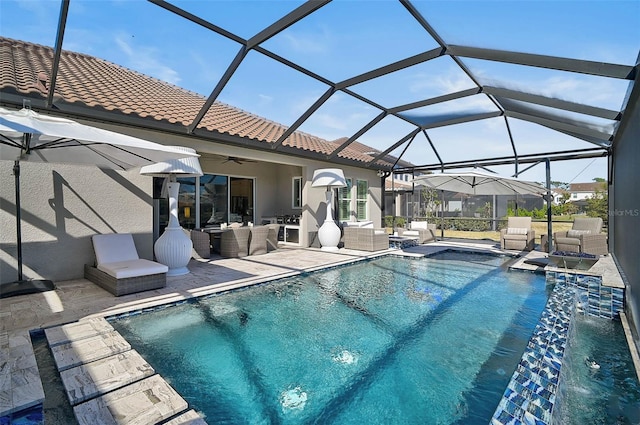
(62, 206)
(624, 220)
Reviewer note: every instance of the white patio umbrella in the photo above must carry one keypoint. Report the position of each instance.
(28, 136)
(477, 183)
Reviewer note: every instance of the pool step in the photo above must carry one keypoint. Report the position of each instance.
(85, 350)
(77, 331)
(149, 401)
(109, 383)
(93, 379)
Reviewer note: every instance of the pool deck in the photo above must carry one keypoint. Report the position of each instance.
(74, 300)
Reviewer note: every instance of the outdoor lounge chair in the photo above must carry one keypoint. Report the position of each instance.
(424, 231)
(585, 236)
(365, 238)
(120, 270)
(518, 234)
(234, 242)
(258, 240)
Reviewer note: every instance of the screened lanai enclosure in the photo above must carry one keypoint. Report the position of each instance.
(536, 90)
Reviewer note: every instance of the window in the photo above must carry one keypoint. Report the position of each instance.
(225, 199)
(361, 199)
(344, 202)
(296, 193)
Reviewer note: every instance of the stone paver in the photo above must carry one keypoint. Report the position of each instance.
(77, 330)
(96, 378)
(90, 349)
(145, 402)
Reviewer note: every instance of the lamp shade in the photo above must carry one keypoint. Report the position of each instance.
(186, 167)
(328, 177)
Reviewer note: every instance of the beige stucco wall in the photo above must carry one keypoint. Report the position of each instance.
(63, 205)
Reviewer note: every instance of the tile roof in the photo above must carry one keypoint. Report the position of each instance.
(588, 187)
(85, 80)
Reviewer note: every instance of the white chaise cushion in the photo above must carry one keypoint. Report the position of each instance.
(419, 225)
(114, 247)
(132, 268)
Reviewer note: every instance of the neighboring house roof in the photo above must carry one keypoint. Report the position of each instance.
(87, 81)
(587, 187)
(397, 185)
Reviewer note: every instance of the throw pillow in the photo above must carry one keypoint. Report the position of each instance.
(576, 233)
(517, 231)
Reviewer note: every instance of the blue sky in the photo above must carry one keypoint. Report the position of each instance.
(346, 38)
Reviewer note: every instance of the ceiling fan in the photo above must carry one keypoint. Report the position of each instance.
(237, 160)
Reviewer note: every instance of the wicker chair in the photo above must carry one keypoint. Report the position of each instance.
(234, 242)
(424, 231)
(201, 243)
(585, 236)
(258, 240)
(272, 237)
(365, 239)
(518, 234)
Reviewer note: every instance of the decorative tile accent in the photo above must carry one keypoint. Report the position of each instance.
(594, 298)
(531, 393)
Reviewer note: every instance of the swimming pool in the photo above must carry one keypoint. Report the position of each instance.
(391, 340)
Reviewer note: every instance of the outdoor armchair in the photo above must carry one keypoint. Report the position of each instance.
(365, 239)
(425, 232)
(585, 236)
(518, 234)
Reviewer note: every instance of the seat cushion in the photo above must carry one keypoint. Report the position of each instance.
(568, 241)
(114, 247)
(132, 268)
(419, 225)
(516, 237)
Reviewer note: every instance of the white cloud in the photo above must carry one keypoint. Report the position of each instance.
(145, 60)
(310, 44)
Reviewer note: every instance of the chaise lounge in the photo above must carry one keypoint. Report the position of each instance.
(120, 270)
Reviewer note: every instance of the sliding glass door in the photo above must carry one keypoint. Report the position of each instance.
(206, 201)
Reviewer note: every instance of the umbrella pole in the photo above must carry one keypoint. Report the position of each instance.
(16, 173)
(549, 228)
(21, 286)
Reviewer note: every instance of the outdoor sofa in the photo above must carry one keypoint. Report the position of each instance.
(120, 270)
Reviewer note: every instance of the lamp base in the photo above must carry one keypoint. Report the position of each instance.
(173, 249)
(329, 236)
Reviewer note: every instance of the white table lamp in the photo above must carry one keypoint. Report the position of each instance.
(174, 247)
(329, 232)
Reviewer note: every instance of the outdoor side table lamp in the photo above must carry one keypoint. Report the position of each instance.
(329, 232)
(174, 247)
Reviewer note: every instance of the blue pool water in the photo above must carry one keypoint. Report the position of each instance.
(604, 392)
(388, 341)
